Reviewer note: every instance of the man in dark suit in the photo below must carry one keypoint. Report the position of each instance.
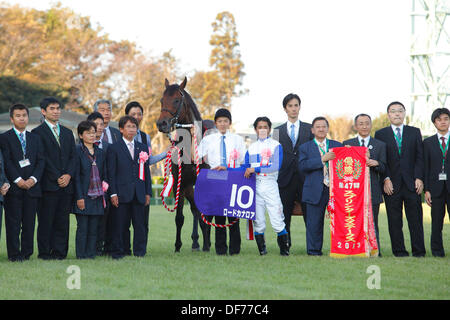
(135, 110)
(437, 173)
(291, 135)
(129, 191)
(110, 135)
(403, 180)
(376, 162)
(313, 161)
(4, 183)
(24, 165)
(56, 183)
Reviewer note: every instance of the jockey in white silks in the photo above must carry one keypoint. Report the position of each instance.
(264, 158)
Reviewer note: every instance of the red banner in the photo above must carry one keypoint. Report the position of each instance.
(350, 206)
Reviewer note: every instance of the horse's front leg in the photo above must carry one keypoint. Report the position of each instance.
(179, 221)
(189, 194)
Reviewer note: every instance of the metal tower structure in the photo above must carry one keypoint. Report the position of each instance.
(430, 60)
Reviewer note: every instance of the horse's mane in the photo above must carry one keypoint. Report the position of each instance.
(172, 89)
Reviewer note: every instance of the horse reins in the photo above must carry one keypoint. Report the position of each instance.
(168, 163)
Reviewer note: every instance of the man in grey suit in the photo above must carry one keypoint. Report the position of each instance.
(376, 162)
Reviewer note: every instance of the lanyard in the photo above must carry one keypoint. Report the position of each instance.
(399, 143)
(323, 151)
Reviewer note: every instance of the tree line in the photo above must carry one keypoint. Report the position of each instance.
(61, 53)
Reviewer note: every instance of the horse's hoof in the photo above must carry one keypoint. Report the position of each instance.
(206, 249)
(195, 249)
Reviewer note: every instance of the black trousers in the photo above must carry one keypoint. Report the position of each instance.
(437, 222)
(20, 218)
(289, 194)
(126, 235)
(53, 224)
(221, 236)
(86, 236)
(126, 212)
(414, 215)
(105, 231)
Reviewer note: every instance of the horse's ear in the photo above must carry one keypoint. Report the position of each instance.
(183, 84)
(166, 83)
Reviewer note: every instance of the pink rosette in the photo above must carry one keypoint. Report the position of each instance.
(143, 156)
(234, 155)
(265, 156)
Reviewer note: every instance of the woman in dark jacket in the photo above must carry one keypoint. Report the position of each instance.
(90, 196)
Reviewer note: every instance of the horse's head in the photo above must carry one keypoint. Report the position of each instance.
(172, 105)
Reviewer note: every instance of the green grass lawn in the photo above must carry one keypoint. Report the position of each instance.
(162, 274)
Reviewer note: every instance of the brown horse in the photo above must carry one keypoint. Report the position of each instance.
(178, 111)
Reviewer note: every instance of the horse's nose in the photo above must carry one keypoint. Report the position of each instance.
(163, 126)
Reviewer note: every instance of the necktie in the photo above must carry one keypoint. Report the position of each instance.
(22, 142)
(398, 139)
(97, 143)
(293, 134)
(326, 179)
(223, 153)
(443, 146)
(105, 137)
(131, 148)
(55, 130)
(363, 143)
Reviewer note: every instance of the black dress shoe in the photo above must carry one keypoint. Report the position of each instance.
(16, 259)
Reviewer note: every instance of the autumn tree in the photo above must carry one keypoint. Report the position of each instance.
(216, 88)
(341, 128)
(59, 47)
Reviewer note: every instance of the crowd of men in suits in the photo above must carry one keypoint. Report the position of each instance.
(45, 172)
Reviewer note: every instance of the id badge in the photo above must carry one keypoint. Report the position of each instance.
(24, 163)
(442, 177)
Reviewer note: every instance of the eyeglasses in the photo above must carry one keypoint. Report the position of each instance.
(396, 110)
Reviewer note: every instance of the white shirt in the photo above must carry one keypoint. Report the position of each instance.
(108, 134)
(127, 143)
(366, 140)
(210, 147)
(445, 137)
(394, 128)
(296, 128)
(25, 139)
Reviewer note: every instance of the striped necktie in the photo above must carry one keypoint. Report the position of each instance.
(55, 130)
(22, 142)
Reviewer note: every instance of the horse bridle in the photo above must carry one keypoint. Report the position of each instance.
(175, 115)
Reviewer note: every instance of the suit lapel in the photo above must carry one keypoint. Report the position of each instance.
(393, 141)
(51, 136)
(125, 149)
(301, 132)
(16, 142)
(284, 135)
(354, 142)
(137, 150)
(436, 145)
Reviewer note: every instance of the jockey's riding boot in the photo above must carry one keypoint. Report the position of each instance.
(261, 244)
(283, 244)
